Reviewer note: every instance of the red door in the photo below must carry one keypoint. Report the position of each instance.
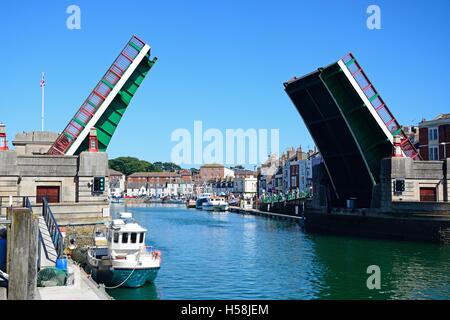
(428, 195)
(49, 192)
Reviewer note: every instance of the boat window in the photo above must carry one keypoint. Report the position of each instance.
(124, 237)
(141, 237)
(133, 237)
(116, 237)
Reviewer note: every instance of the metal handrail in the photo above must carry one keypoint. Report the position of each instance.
(27, 204)
(53, 228)
(288, 197)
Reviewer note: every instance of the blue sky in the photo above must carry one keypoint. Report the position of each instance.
(222, 62)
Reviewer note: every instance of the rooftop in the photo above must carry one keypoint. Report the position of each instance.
(154, 174)
(442, 118)
(212, 165)
(113, 172)
(36, 137)
(244, 172)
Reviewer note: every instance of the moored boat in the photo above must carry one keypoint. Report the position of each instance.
(124, 260)
(202, 199)
(215, 203)
(190, 203)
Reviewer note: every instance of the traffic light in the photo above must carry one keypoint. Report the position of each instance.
(400, 185)
(99, 184)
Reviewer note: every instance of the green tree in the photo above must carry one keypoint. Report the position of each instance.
(158, 166)
(129, 165)
(170, 166)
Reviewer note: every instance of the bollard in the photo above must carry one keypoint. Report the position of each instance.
(33, 257)
(23, 240)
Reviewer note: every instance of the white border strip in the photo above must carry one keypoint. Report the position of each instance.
(365, 100)
(76, 144)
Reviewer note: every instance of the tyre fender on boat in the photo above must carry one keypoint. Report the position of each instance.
(157, 254)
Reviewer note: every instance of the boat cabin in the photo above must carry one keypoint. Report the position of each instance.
(125, 235)
(216, 199)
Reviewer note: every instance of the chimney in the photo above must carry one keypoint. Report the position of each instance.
(291, 152)
(299, 153)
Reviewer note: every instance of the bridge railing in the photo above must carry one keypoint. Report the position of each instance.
(379, 104)
(97, 96)
(286, 197)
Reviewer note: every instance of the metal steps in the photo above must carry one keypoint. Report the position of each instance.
(47, 245)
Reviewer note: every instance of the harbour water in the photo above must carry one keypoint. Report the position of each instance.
(231, 256)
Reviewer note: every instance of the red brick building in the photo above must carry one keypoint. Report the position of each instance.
(154, 177)
(434, 138)
(214, 171)
(186, 175)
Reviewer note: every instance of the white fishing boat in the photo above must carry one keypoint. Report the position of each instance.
(201, 199)
(124, 259)
(215, 203)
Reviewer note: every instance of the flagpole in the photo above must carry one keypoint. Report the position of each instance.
(42, 102)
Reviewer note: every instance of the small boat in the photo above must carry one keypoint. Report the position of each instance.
(190, 203)
(174, 201)
(116, 199)
(234, 202)
(215, 203)
(123, 259)
(202, 199)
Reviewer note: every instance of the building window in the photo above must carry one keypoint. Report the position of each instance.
(433, 153)
(294, 182)
(433, 134)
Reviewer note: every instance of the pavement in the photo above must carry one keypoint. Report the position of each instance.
(84, 288)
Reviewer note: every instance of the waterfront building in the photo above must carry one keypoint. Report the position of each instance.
(210, 172)
(117, 182)
(222, 186)
(305, 175)
(245, 187)
(434, 138)
(279, 181)
(265, 173)
(186, 175)
(134, 189)
(292, 172)
(160, 184)
(244, 173)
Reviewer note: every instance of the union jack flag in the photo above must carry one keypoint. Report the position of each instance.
(42, 81)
